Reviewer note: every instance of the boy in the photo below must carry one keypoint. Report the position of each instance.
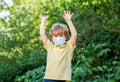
(59, 49)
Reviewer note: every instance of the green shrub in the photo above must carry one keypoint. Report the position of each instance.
(10, 67)
(35, 75)
(97, 56)
(98, 50)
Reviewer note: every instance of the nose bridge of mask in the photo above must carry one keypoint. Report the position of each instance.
(59, 38)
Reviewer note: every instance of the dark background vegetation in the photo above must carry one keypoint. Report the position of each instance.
(96, 58)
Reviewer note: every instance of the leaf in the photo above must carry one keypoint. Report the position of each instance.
(103, 52)
(100, 68)
(117, 75)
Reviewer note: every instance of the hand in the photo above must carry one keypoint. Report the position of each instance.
(67, 15)
(44, 17)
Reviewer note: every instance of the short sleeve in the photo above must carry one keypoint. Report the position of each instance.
(72, 47)
(47, 45)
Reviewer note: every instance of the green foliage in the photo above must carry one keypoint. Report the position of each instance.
(10, 67)
(35, 75)
(97, 54)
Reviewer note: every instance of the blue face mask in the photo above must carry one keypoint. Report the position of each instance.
(58, 41)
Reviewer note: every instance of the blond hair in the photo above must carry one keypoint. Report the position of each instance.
(59, 29)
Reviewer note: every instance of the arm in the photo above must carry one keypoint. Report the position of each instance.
(67, 16)
(42, 29)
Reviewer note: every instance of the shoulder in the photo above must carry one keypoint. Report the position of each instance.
(47, 44)
(70, 45)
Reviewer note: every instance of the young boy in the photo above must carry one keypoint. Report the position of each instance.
(59, 49)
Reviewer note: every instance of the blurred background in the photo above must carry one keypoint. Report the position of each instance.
(96, 57)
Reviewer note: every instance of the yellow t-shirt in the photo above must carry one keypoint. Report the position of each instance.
(58, 61)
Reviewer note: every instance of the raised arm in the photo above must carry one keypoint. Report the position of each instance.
(42, 29)
(67, 16)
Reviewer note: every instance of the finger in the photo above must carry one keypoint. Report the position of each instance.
(67, 12)
(71, 14)
(64, 12)
(46, 16)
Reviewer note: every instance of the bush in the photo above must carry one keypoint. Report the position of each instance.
(10, 67)
(35, 75)
(97, 53)
(97, 56)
